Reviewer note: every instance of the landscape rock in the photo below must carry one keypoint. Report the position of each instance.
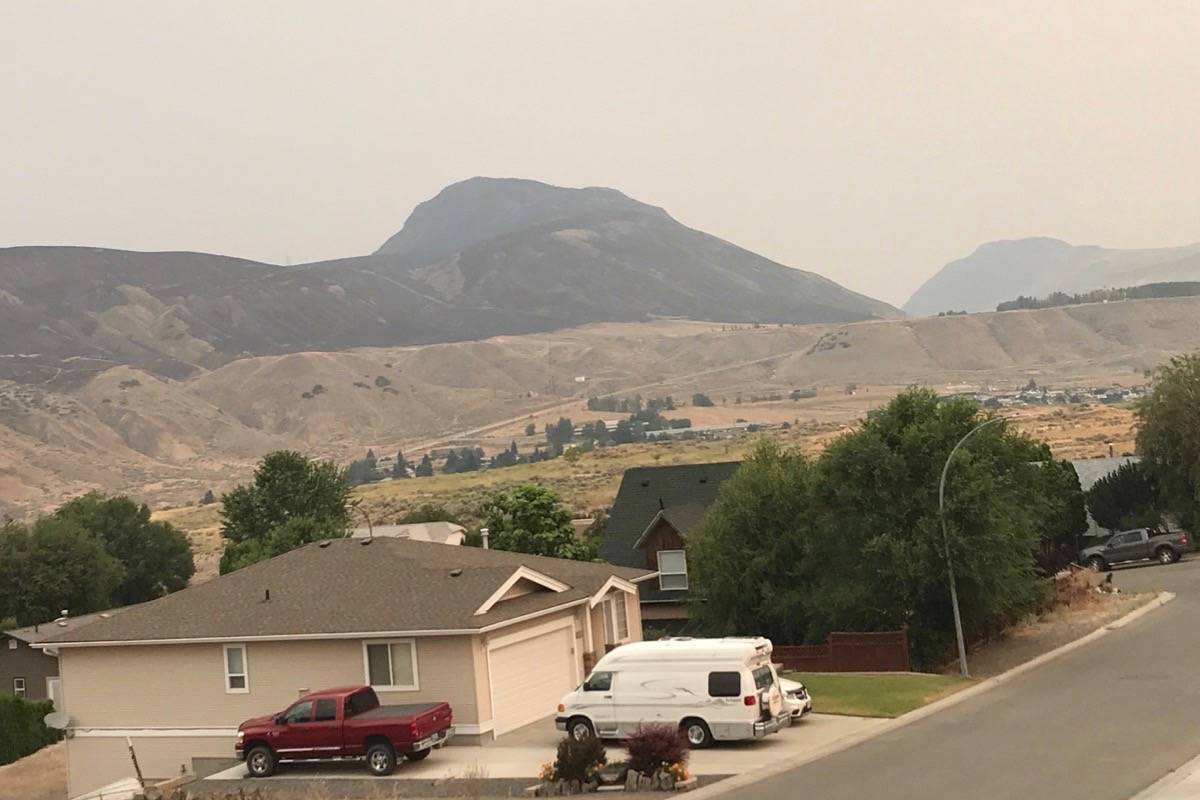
(632, 780)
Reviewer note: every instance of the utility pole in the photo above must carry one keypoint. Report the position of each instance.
(958, 630)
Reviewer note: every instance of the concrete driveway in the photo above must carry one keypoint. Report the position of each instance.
(521, 754)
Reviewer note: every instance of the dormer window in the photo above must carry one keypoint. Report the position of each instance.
(672, 570)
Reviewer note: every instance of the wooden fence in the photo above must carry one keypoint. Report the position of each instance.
(849, 652)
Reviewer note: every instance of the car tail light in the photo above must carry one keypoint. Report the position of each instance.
(412, 730)
(750, 700)
(1183, 539)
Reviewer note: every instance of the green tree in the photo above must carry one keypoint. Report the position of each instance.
(428, 512)
(1062, 519)
(1126, 498)
(1168, 437)
(155, 555)
(748, 562)
(400, 468)
(287, 488)
(530, 429)
(881, 545)
(53, 565)
(425, 468)
(530, 519)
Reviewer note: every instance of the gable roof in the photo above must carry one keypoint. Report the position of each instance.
(345, 587)
(1091, 470)
(682, 492)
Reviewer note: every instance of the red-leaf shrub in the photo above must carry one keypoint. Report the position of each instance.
(654, 746)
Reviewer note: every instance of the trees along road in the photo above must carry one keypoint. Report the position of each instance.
(1101, 722)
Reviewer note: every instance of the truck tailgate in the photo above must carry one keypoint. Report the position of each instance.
(424, 719)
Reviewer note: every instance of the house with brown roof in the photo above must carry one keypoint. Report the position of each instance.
(500, 636)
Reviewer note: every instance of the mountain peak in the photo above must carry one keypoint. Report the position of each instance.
(480, 208)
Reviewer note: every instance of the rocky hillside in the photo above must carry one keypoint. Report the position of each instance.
(1035, 267)
(168, 440)
(484, 257)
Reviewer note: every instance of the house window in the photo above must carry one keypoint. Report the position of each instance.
(391, 665)
(616, 620)
(237, 676)
(672, 570)
(19, 687)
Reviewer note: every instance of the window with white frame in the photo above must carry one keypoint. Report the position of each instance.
(672, 570)
(616, 619)
(391, 665)
(19, 687)
(237, 673)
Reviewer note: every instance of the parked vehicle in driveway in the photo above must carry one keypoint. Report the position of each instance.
(796, 700)
(1136, 545)
(714, 689)
(347, 722)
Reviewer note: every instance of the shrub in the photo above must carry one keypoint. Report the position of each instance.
(656, 745)
(578, 761)
(21, 728)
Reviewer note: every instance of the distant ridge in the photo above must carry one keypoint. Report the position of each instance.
(1035, 267)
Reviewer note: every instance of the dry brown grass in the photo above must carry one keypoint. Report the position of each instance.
(41, 776)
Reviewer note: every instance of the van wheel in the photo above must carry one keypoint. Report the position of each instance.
(381, 759)
(580, 728)
(419, 755)
(260, 761)
(697, 733)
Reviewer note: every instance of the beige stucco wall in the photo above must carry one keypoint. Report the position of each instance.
(93, 762)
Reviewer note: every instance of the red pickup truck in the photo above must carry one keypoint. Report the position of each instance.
(343, 723)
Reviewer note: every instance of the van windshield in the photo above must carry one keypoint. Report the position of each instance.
(764, 678)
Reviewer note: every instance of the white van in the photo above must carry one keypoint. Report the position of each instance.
(714, 689)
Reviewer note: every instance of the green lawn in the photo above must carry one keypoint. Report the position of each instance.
(877, 695)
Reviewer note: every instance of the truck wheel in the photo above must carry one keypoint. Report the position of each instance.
(260, 761)
(1096, 564)
(580, 728)
(381, 759)
(419, 755)
(697, 733)
(1166, 555)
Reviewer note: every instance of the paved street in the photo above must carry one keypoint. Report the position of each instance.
(1102, 722)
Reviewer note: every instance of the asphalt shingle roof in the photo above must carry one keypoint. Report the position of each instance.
(683, 491)
(389, 585)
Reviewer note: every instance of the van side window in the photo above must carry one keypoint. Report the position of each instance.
(724, 684)
(599, 682)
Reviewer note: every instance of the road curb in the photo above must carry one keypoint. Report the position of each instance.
(1170, 780)
(855, 739)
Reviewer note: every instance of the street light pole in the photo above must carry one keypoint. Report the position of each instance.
(958, 630)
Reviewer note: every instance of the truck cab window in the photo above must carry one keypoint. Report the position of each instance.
(326, 710)
(301, 712)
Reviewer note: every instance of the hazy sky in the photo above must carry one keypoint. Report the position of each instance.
(870, 142)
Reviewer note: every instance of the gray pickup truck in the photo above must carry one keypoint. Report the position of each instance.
(1136, 545)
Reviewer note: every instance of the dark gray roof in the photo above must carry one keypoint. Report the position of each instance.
(1091, 470)
(46, 630)
(389, 585)
(683, 491)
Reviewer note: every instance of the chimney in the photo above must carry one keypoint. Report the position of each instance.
(483, 533)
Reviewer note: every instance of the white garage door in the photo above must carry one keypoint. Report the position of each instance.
(530, 677)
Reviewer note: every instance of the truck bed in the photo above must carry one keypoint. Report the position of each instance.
(404, 711)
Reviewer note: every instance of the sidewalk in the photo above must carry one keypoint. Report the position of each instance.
(1182, 784)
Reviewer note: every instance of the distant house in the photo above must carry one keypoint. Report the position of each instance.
(1091, 470)
(500, 636)
(437, 532)
(27, 671)
(655, 511)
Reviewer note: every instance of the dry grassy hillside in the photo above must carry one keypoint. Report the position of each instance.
(168, 441)
(590, 484)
